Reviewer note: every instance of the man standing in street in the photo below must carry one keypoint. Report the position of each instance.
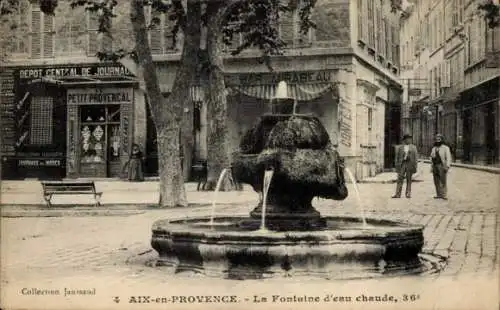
(441, 162)
(406, 165)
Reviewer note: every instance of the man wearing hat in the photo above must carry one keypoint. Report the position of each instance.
(441, 162)
(406, 165)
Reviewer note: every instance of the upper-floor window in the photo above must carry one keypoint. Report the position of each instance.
(457, 13)
(161, 38)
(71, 35)
(289, 28)
(42, 33)
(16, 42)
(74, 32)
(492, 39)
(477, 32)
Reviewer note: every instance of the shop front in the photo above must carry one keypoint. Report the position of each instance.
(68, 121)
(479, 111)
(33, 119)
(99, 131)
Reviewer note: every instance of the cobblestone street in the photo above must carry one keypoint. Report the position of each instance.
(111, 252)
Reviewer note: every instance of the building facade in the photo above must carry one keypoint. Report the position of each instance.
(451, 77)
(66, 115)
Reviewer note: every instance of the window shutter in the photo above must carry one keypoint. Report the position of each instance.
(168, 38)
(379, 41)
(446, 74)
(388, 37)
(371, 30)
(107, 43)
(287, 28)
(36, 38)
(23, 40)
(78, 31)
(48, 36)
(93, 26)
(93, 47)
(155, 34)
(361, 27)
(62, 45)
(302, 37)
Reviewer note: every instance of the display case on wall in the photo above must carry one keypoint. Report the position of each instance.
(101, 134)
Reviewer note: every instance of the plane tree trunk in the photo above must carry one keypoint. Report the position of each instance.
(219, 157)
(167, 113)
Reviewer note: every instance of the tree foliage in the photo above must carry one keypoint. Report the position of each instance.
(492, 13)
(257, 21)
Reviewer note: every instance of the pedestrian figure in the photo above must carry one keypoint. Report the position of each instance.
(441, 162)
(406, 165)
(135, 164)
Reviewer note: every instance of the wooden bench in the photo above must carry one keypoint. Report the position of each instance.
(70, 188)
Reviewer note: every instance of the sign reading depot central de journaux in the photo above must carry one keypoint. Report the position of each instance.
(66, 72)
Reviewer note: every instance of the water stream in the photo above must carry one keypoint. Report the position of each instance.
(294, 106)
(268, 175)
(216, 192)
(358, 196)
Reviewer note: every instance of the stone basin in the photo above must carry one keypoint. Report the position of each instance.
(235, 248)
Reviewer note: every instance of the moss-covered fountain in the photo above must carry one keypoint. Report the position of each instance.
(296, 239)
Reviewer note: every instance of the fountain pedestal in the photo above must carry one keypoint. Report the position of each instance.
(279, 218)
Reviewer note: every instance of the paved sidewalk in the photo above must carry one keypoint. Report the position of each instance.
(490, 169)
(115, 193)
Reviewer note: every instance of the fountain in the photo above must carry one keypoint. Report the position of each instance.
(289, 160)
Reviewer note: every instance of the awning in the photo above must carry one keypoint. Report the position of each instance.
(82, 81)
(304, 92)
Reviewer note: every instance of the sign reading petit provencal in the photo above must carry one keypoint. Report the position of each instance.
(100, 96)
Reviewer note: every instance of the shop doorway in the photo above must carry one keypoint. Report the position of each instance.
(100, 143)
(392, 130)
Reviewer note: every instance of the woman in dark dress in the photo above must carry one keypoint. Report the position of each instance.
(135, 172)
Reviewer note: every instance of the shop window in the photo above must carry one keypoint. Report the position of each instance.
(100, 133)
(41, 121)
